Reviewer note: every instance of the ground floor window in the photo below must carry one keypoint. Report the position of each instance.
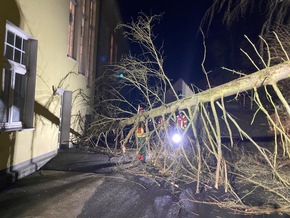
(17, 79)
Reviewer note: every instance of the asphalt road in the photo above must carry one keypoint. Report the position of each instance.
(82, 184)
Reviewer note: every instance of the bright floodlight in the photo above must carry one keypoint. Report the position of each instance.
(176, 138)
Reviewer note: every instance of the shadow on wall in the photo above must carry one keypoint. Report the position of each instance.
(44, 112)
(7, 147)
(9, 10)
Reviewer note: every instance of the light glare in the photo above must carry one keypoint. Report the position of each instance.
(176, 138)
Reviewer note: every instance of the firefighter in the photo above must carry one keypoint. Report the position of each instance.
(181, 120)
(159, 121)
(141, 142)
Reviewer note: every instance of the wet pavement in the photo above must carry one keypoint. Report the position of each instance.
(82, 183)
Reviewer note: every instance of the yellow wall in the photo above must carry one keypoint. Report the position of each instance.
(47, 22)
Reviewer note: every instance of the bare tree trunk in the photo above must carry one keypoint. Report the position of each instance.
(260, 78)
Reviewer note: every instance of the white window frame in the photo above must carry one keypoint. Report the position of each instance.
(26, 68)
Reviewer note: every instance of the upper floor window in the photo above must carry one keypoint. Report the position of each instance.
(17, 79)
(81, 34)
(15, 47)
(72, 29)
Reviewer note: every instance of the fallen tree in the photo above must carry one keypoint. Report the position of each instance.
(267, 76)
(202, 159)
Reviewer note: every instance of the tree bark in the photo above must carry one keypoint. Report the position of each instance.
(257, 79)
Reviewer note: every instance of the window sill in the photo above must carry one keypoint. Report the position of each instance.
(16, 130)
(71, 58)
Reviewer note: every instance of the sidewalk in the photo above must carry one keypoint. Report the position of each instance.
(81, 183)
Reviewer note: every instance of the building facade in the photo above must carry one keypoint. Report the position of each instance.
(181, 89)
(51, 53)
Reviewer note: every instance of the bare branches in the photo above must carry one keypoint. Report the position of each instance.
(202, 158)
(203, 60)
(141, 33)
(275, 12)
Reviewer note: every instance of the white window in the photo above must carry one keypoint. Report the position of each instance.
(17, 79)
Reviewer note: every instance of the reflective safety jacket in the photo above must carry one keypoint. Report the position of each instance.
(181, 121)
(140, 132)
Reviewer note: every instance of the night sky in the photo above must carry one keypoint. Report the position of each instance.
(183, 46)
(178, 30)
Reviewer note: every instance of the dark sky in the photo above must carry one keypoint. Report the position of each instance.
(178, 30)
